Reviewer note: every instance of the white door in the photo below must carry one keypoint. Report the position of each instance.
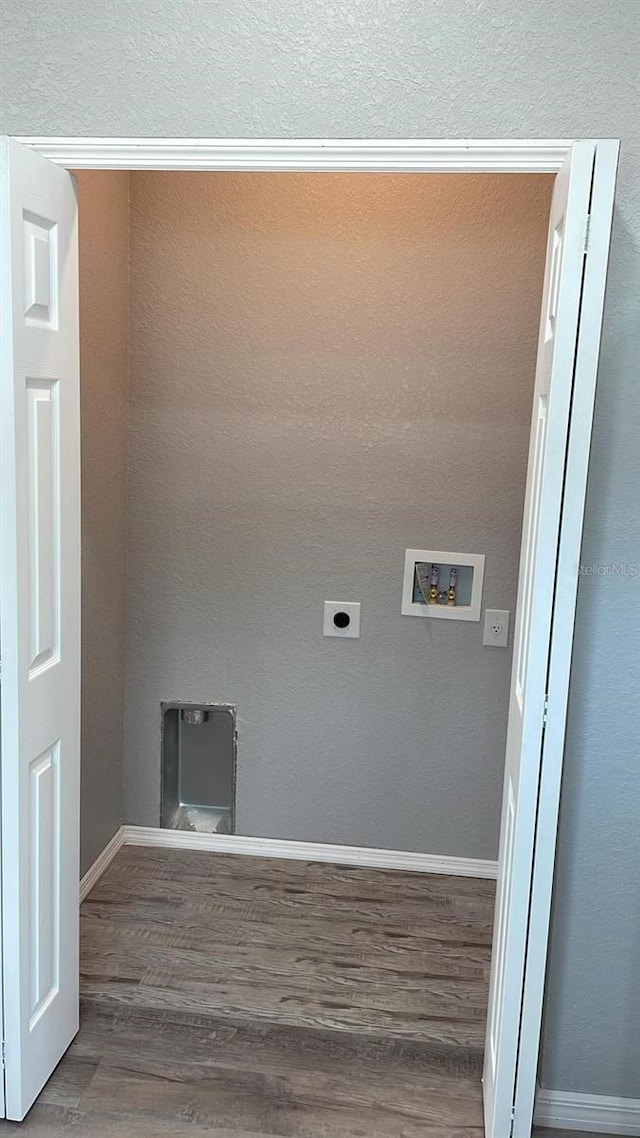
(40, 617)
(557, 346)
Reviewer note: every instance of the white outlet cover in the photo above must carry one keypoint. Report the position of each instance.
(496, 628)
(352, 610)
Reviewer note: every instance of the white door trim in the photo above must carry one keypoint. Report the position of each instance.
(499, 156)
(407, 155)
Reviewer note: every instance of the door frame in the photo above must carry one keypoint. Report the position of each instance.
(478, 156)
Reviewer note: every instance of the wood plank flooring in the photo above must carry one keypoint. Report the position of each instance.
(307, 945)
(244, 997)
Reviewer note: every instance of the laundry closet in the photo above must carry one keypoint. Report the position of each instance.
(288, 381)
(314, 425)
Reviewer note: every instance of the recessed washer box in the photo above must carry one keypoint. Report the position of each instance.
(418, 563)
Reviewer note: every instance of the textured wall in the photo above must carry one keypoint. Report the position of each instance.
(325, 370)
(439, 68)
(104, 320)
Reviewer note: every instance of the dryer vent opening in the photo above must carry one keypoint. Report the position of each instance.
(198, 767)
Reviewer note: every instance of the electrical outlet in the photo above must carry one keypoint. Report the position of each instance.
(496, 627)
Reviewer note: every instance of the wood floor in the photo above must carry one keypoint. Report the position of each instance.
(403, 956)
(243, 997)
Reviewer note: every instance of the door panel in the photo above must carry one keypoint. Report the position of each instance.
(43, 512)
(537, 459)
(40, 618)
(44, 819)
(557, 345)
(40, 271)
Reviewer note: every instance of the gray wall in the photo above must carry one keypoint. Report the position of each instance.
(326, 369)
(104, 322)
(456, 69)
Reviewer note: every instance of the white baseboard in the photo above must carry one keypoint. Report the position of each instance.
(101, 864)
(310, 851)
(570, 1110)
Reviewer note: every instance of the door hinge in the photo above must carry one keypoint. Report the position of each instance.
(545, 711)
(587, 233)
(4, 1062)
